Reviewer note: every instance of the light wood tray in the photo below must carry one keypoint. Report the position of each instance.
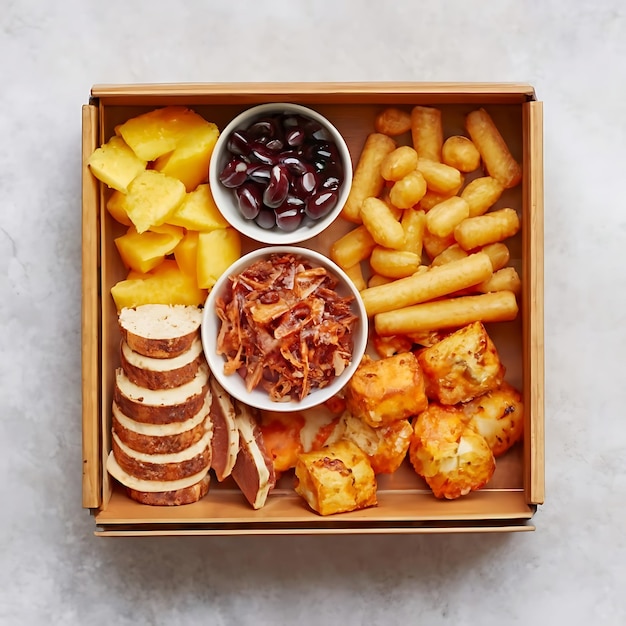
(406, 505)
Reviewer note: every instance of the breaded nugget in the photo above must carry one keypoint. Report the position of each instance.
(498, 416)
(462, 366)
(451, 457)
(383, 391)
(336, 479)
(385, 447)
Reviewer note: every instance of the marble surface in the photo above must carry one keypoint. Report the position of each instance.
(54, 571)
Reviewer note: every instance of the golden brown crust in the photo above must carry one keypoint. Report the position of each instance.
(150, 444)
(159, 414)
(177, 497)
(167, 348)
(161, 471)
(152, 379)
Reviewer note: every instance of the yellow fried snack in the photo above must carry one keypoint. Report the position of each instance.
(462, 366)
(392, 121)
(482, 230)
(498, 416)
(427, 132)
(386, 390)
(459, 152)
(385, 447)
(399, 163)
(496, 156)
(336, 479)
(367, 180)
(384, 228)
(451, 457)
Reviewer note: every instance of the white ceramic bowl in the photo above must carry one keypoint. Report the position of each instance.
(259, 398)
(225, 198)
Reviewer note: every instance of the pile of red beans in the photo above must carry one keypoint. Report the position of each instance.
(282, 168)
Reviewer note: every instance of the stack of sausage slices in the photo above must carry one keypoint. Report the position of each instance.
(161, 422)
(171, 420)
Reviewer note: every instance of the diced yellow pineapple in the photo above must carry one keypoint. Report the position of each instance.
(158, 132)
(143, 252)
(152, 197)
(115, 164)
(189, 162)
(116, 206)
(198, 211)
(166, 284)
(217, 250)
(186, 253)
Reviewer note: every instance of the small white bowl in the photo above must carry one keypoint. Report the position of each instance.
(259, 398)
(225, 197)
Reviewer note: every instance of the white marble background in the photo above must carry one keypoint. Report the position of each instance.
(54, 571)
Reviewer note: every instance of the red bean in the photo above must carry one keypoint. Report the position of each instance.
(278, 187)
(249, 199)
(320, 204)
(234, 173)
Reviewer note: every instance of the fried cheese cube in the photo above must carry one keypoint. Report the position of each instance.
(451, 457)
(498, 416)
(336, 479)
(385, 447)
(462, 366)
(383, 391)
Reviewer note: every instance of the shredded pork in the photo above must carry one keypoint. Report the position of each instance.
(284, 327)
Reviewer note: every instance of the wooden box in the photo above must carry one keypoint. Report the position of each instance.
(509, 501)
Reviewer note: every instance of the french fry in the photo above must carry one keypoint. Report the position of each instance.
(355, 246)
(408, 191)
(475, 232)
(434, 245)
(392, 121)
(427, 132)
(433, 283)
(399, 163)
(355, 273)
(443, 218)
(394, 263)
(395, 211)
(481, 194)
(440, 178)
(367, 180)
(460, 152)
(498, 253)
(453, 253)
(505, 279)
(413, 222)
(495, 154)
(499, 306)
(385, 230)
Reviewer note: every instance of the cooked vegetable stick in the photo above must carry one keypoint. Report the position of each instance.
(450, 313)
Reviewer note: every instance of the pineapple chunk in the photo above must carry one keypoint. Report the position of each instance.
(158, 132)
(143, 252)
(336, 479)
(115, 164)
(189, 162)
(217, 250)
(116, 206)
(198, 211)
(152, 197)
(166, 284)
(186, 253)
